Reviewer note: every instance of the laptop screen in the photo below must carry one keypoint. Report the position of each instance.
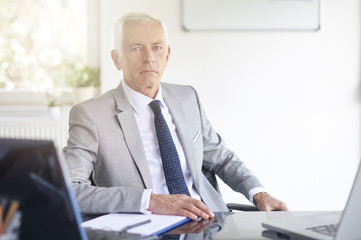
(31, 173)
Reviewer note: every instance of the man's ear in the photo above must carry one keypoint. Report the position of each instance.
(167, 58)
(116, 59)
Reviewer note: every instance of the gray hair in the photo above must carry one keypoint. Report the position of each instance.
(133, 17)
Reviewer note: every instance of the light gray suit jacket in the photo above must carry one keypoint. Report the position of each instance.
(104, 140)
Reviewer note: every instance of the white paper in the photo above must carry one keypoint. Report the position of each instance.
(117, 221)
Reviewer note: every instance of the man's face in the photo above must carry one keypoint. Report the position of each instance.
(144, 56)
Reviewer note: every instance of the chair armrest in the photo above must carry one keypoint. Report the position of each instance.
(241, 207)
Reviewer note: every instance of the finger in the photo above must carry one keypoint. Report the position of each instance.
(283, 207)
(265, 207)
(193, 208)
(199, 210)
(187, 213)
(205, 209)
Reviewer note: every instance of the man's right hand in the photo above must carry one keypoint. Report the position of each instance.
(179, 204)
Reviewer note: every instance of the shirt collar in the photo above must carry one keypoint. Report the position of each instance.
(138, 101)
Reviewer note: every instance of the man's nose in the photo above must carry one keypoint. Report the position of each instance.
(148, 56)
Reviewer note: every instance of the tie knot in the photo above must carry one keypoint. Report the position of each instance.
(155, 106)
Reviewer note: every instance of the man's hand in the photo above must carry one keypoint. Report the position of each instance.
(179, 204)
(266, 202)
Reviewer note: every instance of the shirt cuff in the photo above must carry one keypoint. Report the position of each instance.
(144, 202)
(254, 191)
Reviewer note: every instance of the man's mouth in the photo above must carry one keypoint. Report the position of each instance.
(148, 71)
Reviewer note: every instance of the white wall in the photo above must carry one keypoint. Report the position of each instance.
(286, 102)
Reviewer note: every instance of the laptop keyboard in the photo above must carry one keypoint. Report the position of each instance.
(329, 230)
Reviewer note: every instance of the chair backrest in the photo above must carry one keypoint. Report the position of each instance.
(211, 177)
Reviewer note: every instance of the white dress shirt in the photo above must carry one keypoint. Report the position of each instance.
(145, 121)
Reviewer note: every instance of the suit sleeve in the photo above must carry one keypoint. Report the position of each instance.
(81, 155)
(224, 162)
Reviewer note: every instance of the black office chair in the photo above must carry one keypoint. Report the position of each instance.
(211, 177)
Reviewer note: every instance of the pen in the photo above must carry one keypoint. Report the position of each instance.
(9, 216)
(135, 225)
(1, 219)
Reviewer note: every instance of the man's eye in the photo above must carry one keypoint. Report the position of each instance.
(158, 47)
(135, 49)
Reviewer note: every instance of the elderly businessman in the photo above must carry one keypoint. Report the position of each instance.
(144, 143)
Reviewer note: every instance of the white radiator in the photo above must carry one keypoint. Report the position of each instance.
(41, 128)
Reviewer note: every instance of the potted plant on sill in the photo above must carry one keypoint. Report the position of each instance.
(85, 80)
(54, 108)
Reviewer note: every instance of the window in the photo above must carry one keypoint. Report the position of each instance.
(41, 42)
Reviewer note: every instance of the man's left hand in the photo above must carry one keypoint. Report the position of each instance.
(265, 202)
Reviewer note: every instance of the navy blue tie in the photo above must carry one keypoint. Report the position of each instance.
(170, 159)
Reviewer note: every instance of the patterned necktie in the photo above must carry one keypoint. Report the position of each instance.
(170, 159)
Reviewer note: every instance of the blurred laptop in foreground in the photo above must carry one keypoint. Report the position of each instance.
(32, 174)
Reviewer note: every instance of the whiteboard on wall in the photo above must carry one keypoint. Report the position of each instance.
(234, 15)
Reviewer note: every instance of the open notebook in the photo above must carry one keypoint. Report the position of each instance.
(150, 224)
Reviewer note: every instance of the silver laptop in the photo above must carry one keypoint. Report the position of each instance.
(345, 225)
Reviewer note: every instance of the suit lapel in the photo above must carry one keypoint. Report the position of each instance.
(179, 113)
(132, 136)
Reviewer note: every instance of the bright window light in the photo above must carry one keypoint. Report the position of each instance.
(40, 41)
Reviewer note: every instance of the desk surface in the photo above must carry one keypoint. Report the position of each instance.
(247, 225)
(241, 225)
(228, 226)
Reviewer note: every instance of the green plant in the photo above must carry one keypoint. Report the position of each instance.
(52, 96)
(52, 103)
(84, 76)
